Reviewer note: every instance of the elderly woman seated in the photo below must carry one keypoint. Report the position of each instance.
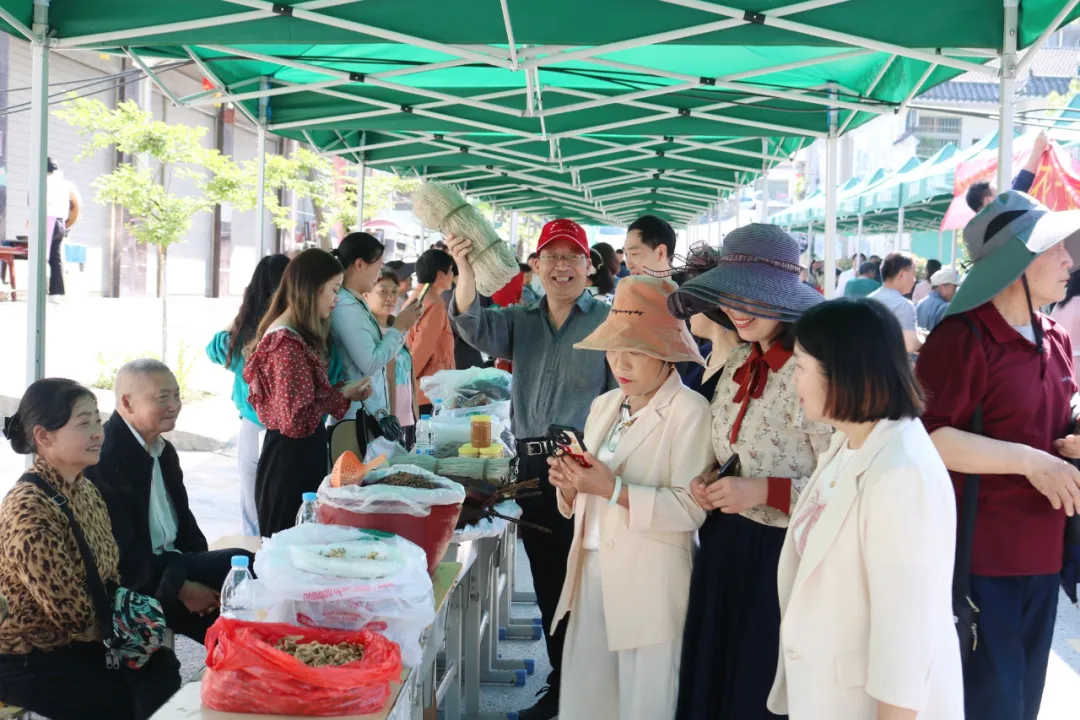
(52, 657)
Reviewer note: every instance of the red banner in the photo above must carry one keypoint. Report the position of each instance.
(1057, 182)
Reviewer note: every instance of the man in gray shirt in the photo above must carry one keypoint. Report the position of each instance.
(554, 384)
(898, 280)
(931, 309)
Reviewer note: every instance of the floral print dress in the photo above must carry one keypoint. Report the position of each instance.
(732, 633)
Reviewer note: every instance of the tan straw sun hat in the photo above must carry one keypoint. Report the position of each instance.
(639, 321)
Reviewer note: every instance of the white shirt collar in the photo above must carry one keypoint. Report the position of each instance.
(154, 450)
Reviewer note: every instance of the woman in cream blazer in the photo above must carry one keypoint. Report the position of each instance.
(628, 574)
(865, 575)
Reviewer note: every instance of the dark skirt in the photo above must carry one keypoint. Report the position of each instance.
(732, 634)
(288, 468)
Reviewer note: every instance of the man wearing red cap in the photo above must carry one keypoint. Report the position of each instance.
(554, 384)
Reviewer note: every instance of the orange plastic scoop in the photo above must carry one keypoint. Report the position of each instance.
(348, 470)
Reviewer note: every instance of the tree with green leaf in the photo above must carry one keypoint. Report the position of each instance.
(157, 155)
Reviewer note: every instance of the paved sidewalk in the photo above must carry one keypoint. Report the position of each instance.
(90, 337)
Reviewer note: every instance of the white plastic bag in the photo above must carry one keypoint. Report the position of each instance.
(474, 391)
(382, 446)
(392, 499)
(399, 605)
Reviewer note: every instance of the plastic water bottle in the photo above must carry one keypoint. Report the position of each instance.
(425, 441)
(437, 409)
(308, 509)
(235, 593)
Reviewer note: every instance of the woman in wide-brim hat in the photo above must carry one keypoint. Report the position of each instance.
(713, 329)
(733, 621)
(628, 573)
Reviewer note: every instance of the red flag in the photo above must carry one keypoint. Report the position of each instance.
(1057, 182)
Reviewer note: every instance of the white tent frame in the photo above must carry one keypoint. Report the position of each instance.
(513, 58)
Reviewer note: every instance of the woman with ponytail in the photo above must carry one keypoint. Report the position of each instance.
(227, 350)
(290, 390)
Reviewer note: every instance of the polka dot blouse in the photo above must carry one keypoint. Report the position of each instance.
(289, 388)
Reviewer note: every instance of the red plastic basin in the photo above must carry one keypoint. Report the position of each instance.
(432, 532)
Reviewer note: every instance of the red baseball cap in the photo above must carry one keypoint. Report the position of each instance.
(563, 230)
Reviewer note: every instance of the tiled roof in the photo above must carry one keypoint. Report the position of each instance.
(963, 91)
(981, 92)
(1048, 62)
(1051, 70)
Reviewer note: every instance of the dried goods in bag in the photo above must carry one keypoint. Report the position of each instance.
(261, 668)
(344, 578)
(406, 500)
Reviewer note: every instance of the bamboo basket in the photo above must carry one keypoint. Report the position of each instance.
(492, 260)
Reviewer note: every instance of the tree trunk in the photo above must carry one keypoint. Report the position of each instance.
(163, 255)
(324, 240)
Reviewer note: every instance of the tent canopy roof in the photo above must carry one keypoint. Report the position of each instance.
(957, 23)
(625, 84)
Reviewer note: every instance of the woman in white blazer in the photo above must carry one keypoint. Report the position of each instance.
(865, 573)
(628, 574)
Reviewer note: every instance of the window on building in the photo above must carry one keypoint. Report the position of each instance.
(933, 132)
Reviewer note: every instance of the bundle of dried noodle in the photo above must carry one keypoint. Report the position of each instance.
(316, 654)
(492, 260)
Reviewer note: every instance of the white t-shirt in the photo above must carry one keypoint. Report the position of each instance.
(594, 504)
(819, 494)
(843, 280)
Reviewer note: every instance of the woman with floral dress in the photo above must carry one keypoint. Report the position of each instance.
(731, 639)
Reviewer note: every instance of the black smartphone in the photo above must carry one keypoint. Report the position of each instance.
(731, 467)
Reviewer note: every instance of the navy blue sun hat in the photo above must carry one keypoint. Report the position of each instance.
(757, 274)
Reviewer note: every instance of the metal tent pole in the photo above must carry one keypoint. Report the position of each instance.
(514, 232)
(260, 182)
(360, 183)
(39, 143)
(764, 211)
(828, 284)
(952, 259)
(1008, 97)
(899, 229)
(738, 208)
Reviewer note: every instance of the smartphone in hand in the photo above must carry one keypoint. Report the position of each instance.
(568, 442)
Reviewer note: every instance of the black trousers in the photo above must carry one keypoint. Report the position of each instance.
(288, 468)
(205, 568)
(72, 683)
(56, 259)
(547, 554)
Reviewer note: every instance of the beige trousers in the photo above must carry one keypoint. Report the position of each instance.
(598, 684)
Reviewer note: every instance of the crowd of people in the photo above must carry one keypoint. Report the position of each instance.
(853, 508)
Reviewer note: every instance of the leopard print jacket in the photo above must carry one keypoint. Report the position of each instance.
(42, 573)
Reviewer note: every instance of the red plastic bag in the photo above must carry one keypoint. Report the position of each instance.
(246, 674)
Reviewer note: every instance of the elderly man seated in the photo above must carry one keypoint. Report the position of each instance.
(162, 551)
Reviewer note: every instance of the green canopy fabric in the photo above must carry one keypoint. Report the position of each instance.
(914, 24)
(565, 101)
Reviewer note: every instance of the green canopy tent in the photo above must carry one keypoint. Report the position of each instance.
(627, 72)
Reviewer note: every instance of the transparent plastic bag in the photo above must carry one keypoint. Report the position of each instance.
(426, 517)
(376, 498)
(399, 604)
(474, 391)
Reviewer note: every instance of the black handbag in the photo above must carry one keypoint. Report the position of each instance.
(965, 611)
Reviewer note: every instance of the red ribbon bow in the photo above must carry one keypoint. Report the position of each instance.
(752, 378)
